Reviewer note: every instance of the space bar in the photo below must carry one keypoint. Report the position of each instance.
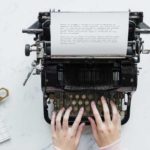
(110, 87)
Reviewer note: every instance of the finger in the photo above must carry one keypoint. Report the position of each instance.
(58, 119)
(105, 110)
(96, 114)
(78, 119)
(66, 117)
(79, 131)
(94, 127)
(115, 114)
(53, 122)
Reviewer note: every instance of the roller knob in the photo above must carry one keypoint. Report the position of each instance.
(27, 50)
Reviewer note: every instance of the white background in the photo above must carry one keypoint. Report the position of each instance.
(22, 112)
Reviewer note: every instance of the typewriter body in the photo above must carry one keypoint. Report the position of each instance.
(78, 81)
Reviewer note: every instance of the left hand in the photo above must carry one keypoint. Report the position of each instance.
(63, 136)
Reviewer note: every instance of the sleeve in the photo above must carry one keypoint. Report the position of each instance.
(56, 148)
(115, 146)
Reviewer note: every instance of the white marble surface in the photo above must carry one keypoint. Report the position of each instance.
(22, 112)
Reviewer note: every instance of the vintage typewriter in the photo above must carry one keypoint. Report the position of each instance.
(77, 81)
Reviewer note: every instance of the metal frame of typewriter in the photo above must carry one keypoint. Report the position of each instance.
(58, 75)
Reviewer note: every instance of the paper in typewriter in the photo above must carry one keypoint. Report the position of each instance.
(96, 34)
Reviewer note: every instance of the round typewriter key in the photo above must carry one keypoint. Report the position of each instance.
(83, 96)
(87, 102)
(75, 108)
(74, 102)
(77, 96)
(71, 96)
(90, 96)
(80, 102)
(88, 108)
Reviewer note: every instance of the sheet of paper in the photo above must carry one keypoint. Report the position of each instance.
(89, 34)
(4, 135)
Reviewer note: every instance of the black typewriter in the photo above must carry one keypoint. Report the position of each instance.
(77, 82)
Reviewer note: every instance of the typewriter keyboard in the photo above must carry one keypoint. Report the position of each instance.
(80, 99)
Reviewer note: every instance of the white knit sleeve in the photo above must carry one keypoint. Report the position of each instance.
(114, 146)
(56, 148)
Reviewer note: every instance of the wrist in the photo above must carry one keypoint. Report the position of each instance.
(57, 148)
(114, 146)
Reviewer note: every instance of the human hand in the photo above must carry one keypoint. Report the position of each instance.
(108, 131)
(63, 136)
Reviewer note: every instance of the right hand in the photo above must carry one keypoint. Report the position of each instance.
(108, 131)
(66, 137)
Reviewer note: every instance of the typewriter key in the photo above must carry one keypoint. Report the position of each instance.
(87, 102)
(75, 108)
(88, 109)
(74, 102)
(77, 96)
(71, 96)
(80, 102)
(90, 96)
(83, 96)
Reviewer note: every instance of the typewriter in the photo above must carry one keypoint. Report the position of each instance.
(75, 82)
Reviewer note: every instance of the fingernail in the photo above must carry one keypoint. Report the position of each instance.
(83, 124)
(92, 102)
(102, 97)
(81, 109)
